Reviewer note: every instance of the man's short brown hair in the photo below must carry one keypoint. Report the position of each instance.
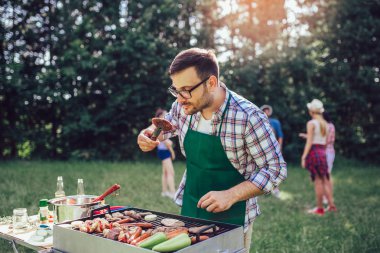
(203, 60)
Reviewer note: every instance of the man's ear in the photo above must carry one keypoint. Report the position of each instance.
(213, 83)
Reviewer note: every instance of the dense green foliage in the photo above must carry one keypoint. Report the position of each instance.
(81, 78)
(338, 64)
(98, 85)
(282, 227)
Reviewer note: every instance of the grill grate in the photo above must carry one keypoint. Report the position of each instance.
(189, 221)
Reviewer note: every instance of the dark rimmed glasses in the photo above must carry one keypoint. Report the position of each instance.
(186, 94)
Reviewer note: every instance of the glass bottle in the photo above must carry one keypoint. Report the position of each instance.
(80, 188)
(60, 192)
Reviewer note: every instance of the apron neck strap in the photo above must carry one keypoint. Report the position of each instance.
(224, 113)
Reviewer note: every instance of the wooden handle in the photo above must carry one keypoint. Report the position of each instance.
(107, 192)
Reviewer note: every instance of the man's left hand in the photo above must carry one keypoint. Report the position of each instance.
(216, 201)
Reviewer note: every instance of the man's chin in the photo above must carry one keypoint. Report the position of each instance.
(188, 109)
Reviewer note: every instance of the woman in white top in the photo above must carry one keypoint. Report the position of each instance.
(314, 156)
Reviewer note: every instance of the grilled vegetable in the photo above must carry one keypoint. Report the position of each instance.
(155, 239)
(179, 242)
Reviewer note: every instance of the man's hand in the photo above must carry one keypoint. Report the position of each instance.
(144, 141)
(217, 201)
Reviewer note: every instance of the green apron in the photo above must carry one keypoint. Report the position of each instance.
(208, 169)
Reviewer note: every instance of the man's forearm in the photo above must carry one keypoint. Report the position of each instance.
(244, 191)
(280, 141)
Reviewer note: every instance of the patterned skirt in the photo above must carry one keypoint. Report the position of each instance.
(316, 162)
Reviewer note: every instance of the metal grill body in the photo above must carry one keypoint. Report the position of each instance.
(228, 239)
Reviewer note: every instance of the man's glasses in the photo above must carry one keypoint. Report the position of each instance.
(186, 94)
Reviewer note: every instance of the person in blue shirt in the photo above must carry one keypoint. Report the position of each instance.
(275, 123)
(276, 126)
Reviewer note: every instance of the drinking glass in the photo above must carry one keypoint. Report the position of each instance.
(20, 220)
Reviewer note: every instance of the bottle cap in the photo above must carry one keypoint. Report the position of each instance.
(43, 202)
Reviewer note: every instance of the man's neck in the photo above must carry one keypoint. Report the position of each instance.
(220, 96)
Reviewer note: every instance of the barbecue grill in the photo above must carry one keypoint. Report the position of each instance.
(227, 239)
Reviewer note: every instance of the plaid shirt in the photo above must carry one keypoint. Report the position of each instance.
(248, 141)
(330, 137)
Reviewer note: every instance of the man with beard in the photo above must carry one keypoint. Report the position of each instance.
(232, 155)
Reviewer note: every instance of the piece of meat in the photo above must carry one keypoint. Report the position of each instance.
(113, 219)
(105, 232)
(117, 215)
(133, 214)
(77, 224)
(194, 230)
(113, 233)
(144, 214)
(172, 222)
(163, 229)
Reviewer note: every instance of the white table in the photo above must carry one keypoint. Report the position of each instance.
(21, 239)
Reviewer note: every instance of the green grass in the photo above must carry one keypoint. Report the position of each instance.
(282, 227)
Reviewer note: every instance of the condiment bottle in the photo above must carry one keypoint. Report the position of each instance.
(44, 211)
(80, 188)
(60, 192)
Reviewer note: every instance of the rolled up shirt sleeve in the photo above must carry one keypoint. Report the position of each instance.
(262, 145)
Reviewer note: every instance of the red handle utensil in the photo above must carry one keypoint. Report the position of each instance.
(110, 190)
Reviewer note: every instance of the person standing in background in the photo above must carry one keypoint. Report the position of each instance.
(166, 154)
(276, 126)
(330, 151)
(314, 156)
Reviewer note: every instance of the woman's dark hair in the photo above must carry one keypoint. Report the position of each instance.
(326, 116)
(204, 61)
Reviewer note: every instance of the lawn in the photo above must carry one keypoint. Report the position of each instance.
(283, 226)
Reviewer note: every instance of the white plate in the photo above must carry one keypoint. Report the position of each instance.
(47, 242)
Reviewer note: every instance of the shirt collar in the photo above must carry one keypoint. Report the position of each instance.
(219, 113)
